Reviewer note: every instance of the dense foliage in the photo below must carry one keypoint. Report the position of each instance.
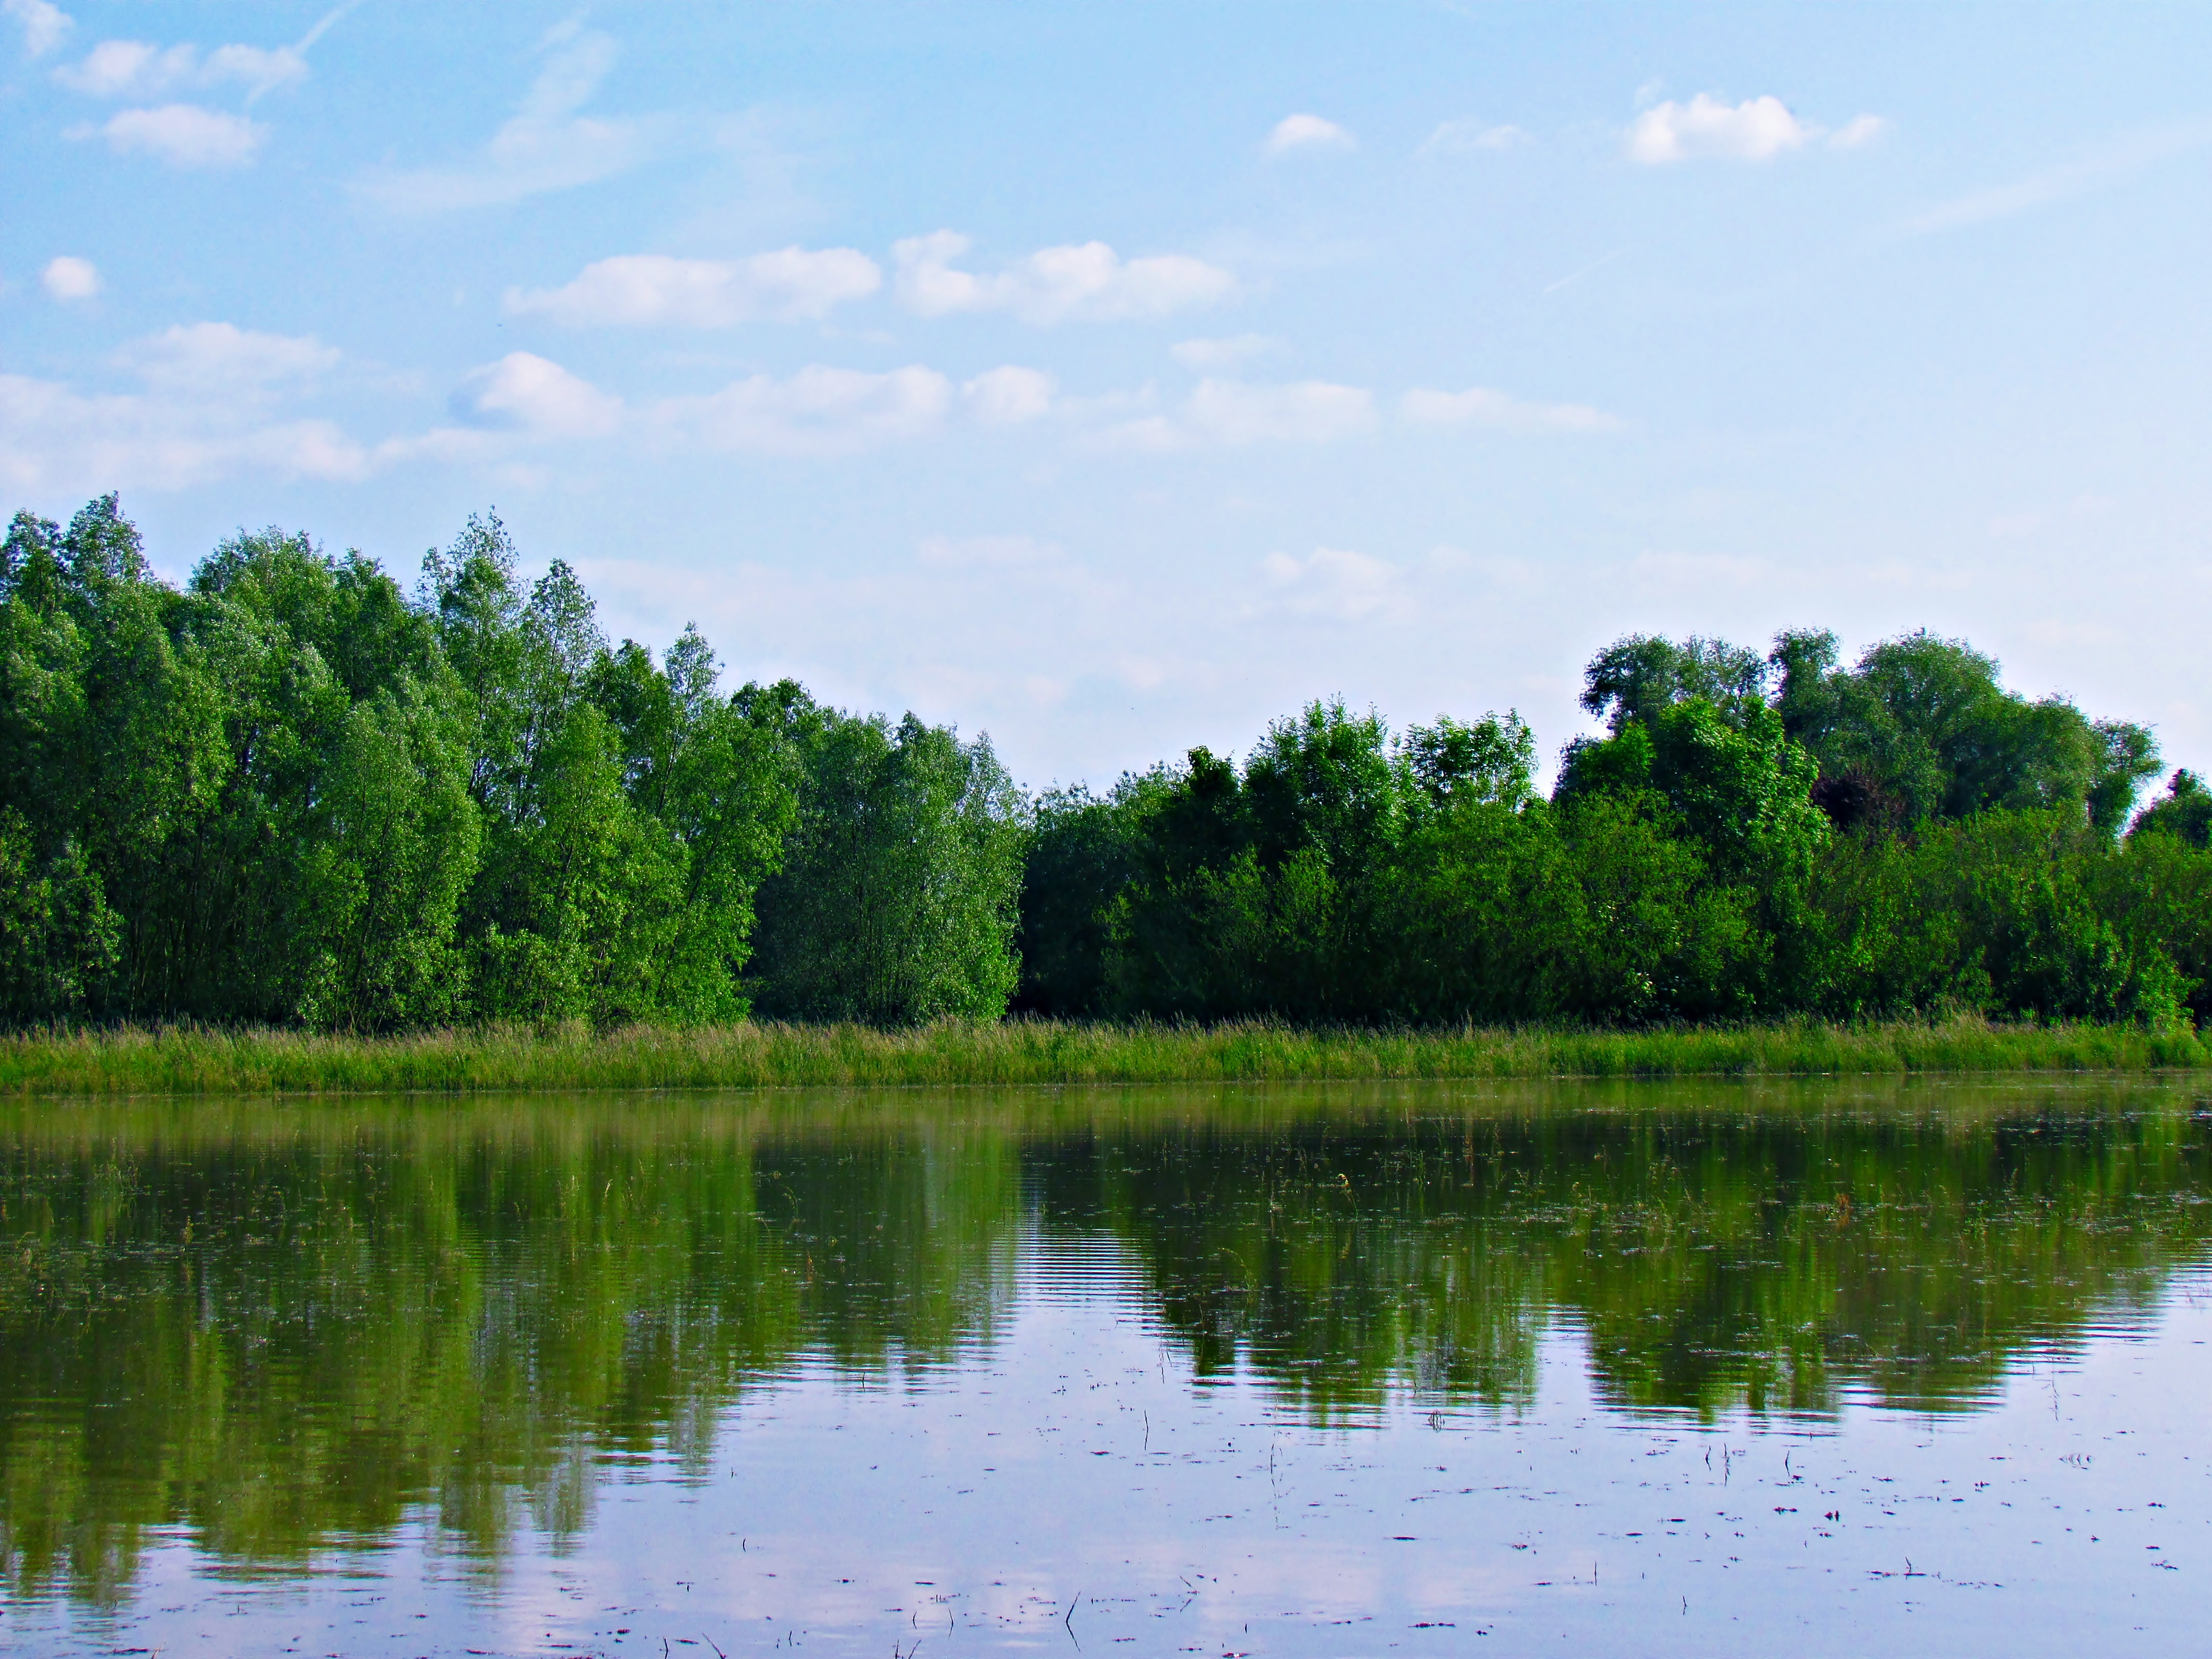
(293, 792)
(1752, 837)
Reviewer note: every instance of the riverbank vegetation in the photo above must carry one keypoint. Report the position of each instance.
(295, 796)
(193, 1060)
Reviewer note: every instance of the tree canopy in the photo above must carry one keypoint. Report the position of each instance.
(292, 792)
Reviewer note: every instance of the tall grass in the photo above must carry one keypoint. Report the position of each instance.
(192, 1059)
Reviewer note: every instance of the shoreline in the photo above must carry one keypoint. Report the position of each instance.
(194, 1061)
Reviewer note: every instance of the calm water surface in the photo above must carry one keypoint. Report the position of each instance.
(1430, 1370)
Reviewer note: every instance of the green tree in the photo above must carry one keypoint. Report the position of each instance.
(1453, 761)
(1922, 729)
(899, 891)
(59, 941)
(629, 812)
(724, 787)
(1743, 789)
(1638, 676)
(287, 793)
(1085, 851)
(395, 848)
(2184, 810)
(1258, 893)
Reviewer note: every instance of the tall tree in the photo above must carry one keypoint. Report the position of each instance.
(898, 897)
(1921, 729)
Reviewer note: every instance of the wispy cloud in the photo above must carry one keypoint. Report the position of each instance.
(523, 403)
(1482, 406)
(2061, 183)
(142, 69)
(989, 552)
(1225, 353)
(1333, 583)
(1468, 137)
(1577, 275)
(1235, 413)
(210, 359)
(818, 410)
(646, 288)
(55, 438)
(1085, 281)
(1011, 396)
(214, 401)
(215, 404)
(546, 145)
(1858, 133)
(139, 69)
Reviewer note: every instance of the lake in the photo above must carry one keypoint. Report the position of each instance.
(1827, 1367)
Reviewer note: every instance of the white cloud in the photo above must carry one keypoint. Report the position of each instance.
(1308, 132)
(43, 25)
(222, 360)
(54, 439)
(67, 278)
(1087, 282)
(1235, 413)
(1309, 411)
(1224, 353)
(1481, 406)
(1757, 129)
(1336, 585)
(216, 403)
(1010, 396)
(643, 288)
(1467, 136)
(545, 146)
(182, 135)
(211, 409)
(816, 411)
(119, 69)
(533, 394)
(1858, 132)
(139, 69)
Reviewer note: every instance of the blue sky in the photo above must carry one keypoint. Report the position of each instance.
(1114, 377)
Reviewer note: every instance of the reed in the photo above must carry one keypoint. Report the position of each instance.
(204, 1060)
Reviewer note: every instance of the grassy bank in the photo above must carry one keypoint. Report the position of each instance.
(186, 1061)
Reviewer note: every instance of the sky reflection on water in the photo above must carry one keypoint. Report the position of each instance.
(1293, 1370)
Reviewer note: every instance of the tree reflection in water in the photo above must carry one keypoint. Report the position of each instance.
(280, 1328)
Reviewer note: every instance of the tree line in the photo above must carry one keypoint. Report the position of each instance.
(294, 793)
